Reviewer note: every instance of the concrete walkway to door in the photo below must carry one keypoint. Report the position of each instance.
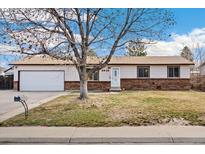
(9, 108)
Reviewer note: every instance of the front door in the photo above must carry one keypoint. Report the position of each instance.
(115, 77)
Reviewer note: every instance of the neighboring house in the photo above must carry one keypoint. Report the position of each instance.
(9, 71)
(198, 78)
(202, 69)
(1, 71)
(4, 71)
(195, 72)
(43, 73)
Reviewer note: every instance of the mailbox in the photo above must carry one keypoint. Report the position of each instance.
(17, 98)
(23, 102)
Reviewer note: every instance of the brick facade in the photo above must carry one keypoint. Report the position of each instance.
(155, 84)
(92, 85)
(130, 84)
(135, 84)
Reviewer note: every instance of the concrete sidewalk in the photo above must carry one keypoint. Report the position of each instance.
(96, 135)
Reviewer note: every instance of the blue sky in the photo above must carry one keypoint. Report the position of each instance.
(188, 19)
(189, 30)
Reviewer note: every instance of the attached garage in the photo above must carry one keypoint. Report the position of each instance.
(41, 80)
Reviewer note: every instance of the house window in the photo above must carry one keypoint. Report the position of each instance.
(93, 76)
(173, 71)
(143, 71)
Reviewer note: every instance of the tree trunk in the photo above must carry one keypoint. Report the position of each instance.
(83, 89)
(83, 83)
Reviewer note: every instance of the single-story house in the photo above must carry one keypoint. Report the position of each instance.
(44, 73)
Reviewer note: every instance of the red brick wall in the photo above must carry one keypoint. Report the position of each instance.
(135, 84)
(92, 85)
(153, 84)
(130, 84)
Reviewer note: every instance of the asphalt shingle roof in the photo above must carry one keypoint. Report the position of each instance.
(121, 60)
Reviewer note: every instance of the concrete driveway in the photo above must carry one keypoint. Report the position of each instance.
(9, 108)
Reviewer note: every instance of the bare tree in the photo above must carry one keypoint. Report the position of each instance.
(199, 54)
(136, 48)
(187, 53)
(92, 53)
(68, 34)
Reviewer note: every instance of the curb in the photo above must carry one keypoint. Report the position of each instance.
(122, 140)
(33, 140)
(146, 140)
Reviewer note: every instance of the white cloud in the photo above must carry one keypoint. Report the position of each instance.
(6, 49)
(3, 64)
(177, 42)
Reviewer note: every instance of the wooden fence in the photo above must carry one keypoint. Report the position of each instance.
(198, 82)
(6, 82)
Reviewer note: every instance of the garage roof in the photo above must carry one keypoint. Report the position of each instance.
(120, 60)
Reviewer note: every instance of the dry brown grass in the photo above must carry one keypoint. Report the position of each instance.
(125, 108)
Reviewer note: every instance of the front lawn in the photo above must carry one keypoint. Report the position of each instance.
(126, 108)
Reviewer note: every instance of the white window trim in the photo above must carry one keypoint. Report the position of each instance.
(168, 66)
(138, 72)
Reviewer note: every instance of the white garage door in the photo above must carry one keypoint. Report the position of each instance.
(41, 81)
